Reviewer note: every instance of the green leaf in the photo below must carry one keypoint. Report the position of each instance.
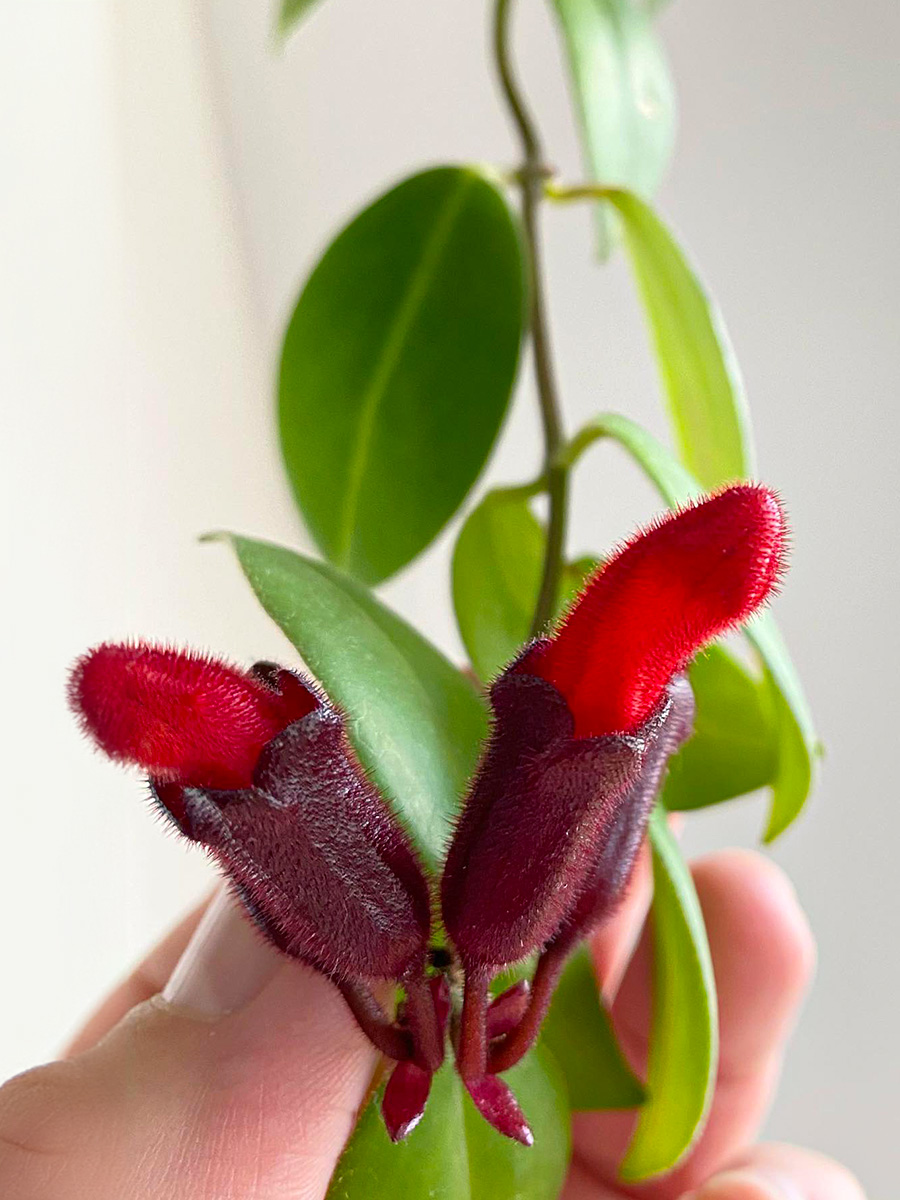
(579, 1033)
(416, 722)
(291, 13)
(498, 562)
(623, 95)
(398, 365)
(798, 745)
(681, 1069)
(699, 372)
(734, 746)
(497, 565)
(453, 1154)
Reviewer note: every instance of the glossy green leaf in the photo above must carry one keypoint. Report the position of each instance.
(453, 1154)
(497, 566)
(416, 722)
(699, 372)
(291, 13)
(579, 1034)
(398, 365)
(681, 1068)
(498, 562)
(734, 746)
(798, 745)
(623, 94)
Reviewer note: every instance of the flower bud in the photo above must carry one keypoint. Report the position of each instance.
(321, 865)
(584, 724)
(549, 818)
(257, 768)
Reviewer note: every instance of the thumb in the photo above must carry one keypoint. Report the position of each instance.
(243, 1079)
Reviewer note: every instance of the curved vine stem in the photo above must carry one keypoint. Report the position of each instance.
(531, 178)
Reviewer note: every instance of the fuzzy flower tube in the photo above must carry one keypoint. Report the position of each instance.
(258, 768)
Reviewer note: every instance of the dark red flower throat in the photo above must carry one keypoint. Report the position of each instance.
(258, 768)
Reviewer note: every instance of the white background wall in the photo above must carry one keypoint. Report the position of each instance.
(167, 177)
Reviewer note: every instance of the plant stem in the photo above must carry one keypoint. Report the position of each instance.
(531, 184)
(565, 193)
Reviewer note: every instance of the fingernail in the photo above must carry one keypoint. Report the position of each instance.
(758, 1183)
(226, 963)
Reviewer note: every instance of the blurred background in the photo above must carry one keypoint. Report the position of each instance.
(168, 175)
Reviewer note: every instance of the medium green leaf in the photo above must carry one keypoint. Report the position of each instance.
(398, 365)
(291, 13)
(497, 565)
(623, 95)
(702, 383)
(798, 744)
(417, 724)
(579, 1033)
(498, 562)
(733, 749)
(681, 1069)
(453, 1154)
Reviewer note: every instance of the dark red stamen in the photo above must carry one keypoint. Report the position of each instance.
(649, 609)
(182, 717)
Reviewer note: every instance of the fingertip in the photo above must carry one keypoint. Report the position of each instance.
(751, 898)
(740, 1185)
(774, 1171)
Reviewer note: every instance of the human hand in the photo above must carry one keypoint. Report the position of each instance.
(220, 1071)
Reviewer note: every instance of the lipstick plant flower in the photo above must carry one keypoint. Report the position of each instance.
(442, 839)
(257, 767)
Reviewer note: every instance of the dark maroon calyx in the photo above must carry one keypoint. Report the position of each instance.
(545, 847)
(549, 817)
(666, 730)
(319, 862)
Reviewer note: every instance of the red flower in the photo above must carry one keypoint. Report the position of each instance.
(257, 767)
(668, 592)
(182, 717)
(584, 724)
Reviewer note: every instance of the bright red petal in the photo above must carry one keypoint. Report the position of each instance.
(670, 590)
(182, 717)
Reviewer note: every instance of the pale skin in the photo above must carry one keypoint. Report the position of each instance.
(244, 1082)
